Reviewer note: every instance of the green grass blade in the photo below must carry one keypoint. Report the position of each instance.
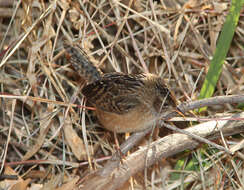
(221, 51)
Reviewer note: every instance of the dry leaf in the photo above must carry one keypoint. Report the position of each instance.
(69, 185)
(74, 141)
(18, 184)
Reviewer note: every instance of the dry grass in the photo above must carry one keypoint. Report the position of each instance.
(49, 140)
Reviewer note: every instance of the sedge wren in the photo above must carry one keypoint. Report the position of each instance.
(123, 102)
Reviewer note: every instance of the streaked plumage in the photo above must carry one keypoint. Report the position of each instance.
(124, 102)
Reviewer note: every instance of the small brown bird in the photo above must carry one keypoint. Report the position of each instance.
(123, 102)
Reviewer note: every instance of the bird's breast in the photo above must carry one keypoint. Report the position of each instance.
(136, 120)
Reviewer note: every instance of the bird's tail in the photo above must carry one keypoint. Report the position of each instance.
(80, 61)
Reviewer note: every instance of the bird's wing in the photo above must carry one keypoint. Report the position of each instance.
(115, 92)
